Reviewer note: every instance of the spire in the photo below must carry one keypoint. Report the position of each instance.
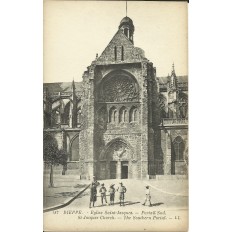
(173, 69)
(172, 80)
(73, 107)
(126, 8)
(73, 85)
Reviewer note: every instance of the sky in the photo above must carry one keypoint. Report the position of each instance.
(74, 31)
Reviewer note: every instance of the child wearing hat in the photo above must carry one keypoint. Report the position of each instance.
(93, 194)
(122, 190)
(112, 194)
(103, 193)
(148, 196)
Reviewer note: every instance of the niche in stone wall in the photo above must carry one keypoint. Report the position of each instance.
(133, 114)
(113, 115)
(123, 114)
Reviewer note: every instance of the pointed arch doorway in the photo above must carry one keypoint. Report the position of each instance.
(115, 161)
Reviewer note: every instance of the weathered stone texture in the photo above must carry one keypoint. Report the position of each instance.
(125, 126)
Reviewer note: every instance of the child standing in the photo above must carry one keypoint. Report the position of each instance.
(112, 194)
(122, 190)
(148, 196)
(103, 193)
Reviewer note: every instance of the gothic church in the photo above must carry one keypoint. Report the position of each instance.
(121, 121)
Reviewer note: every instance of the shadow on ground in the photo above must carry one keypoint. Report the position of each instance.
(125, 204)
(83, 194)
(64, 194)
(157, 204)
(80, 186)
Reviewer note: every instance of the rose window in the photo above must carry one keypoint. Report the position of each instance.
(119, 89)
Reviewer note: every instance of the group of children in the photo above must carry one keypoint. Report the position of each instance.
(103, 192)
(121, 190)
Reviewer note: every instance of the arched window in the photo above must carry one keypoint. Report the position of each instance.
(130, 35)
(115, 53)
(126, 32)
(183, 105)
(122, 114)
(178, 144)
(125, 115)
(65, 114)
(133, 114)
(122, 53)
(113, 115)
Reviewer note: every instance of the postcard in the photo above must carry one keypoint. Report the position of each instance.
(115, 103)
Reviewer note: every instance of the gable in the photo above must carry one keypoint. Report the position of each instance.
(120, 50)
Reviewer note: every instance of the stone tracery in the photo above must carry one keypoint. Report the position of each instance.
(183, 105)
(117, 150)
(119, 88)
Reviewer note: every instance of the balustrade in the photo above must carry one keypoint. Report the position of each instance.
(175, 121)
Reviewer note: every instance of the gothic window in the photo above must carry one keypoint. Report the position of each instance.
(65, 114)
(183, 111)
(125, 115)
(130, 34)
(119, 88)
(113, 115)
(126, 32)
(183, 105)
(122, 53)
(133, 114)
(122, 114)
(115, 53)
(178, 144)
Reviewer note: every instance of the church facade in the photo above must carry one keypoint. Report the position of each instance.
(121, 121)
